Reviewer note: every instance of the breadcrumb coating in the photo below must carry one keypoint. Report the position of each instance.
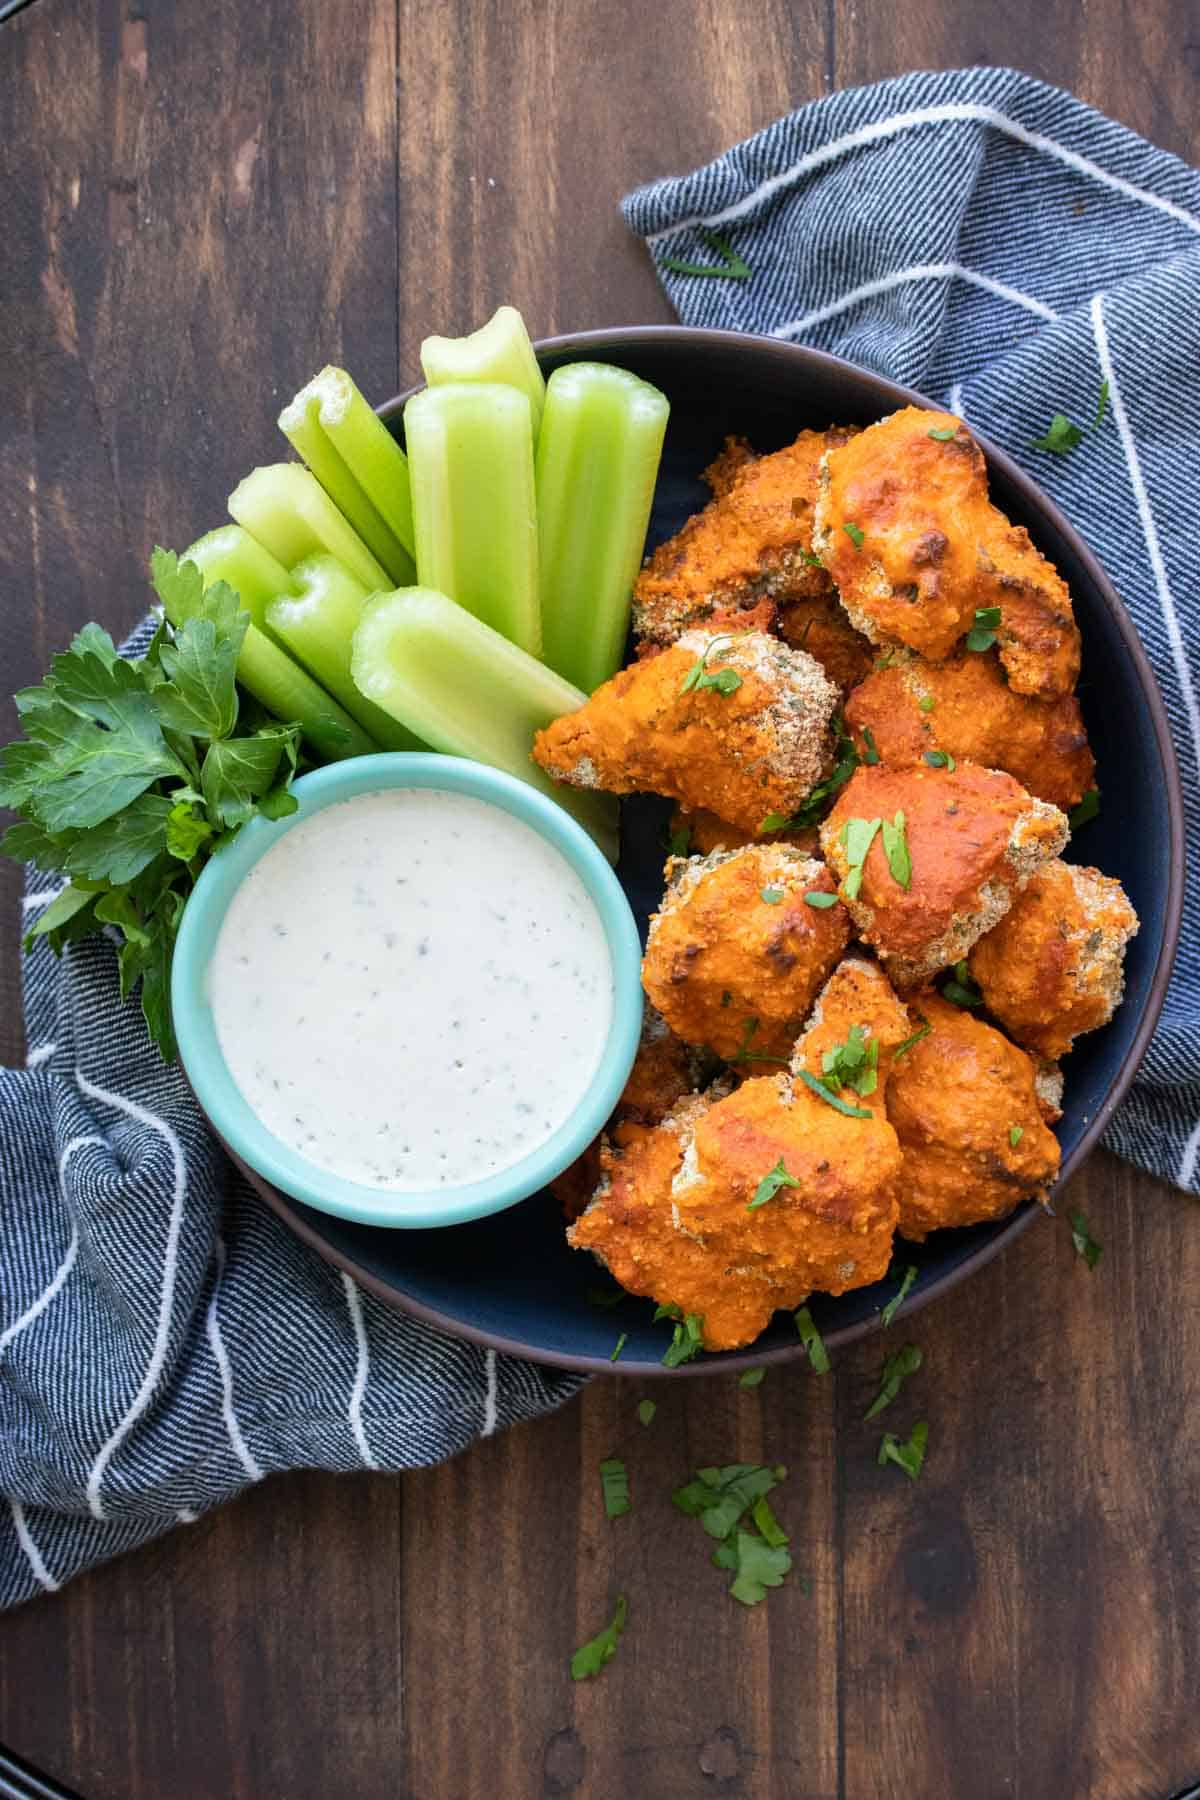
(1054, 966)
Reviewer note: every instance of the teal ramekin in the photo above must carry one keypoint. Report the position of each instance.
(228, 1112)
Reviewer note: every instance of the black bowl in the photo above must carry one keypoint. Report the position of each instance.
(510, 1281)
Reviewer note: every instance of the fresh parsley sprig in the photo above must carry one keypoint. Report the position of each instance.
(591, 1657)
(133, 771)
(699, 676)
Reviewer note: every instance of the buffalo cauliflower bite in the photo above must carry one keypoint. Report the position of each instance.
(965, 706)
(904, 525)
(965, 1107)
(682, 1215)
(1054, 965)
(819, 625)
(736, 954)
(701, 831)
(753, 539)
(966, 840)
(739, 724)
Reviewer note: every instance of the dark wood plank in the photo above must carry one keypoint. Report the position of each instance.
(272, 182)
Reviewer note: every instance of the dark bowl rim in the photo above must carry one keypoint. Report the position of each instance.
(893, 395)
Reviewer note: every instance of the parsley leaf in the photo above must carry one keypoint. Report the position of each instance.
(614, 1484)
(731, 267)
(853, 1063)
(908, 1456)
(944, 435)
(752, 1378)
(759, 1566)
(831, 1099)
(680, 842)
(900, 1296)
(772, 896)
(856, 838)
(855, 535)
(1085, 1244)
(720, 1497)
(725, 681)
(744, 1054)
(591, 1657)
(927, 703)
(812, 1340)
(983, 633)
(1060, 436)
(871, 754)
(1015, 1134)
(1088, 809)
(646, 1411)
(687, 1341)
(962, 989)
(896, 1371)
(618, 1346)
(769, 1186)
(775, 821)
(895, 848)
(940, 759)
(819, 800)
(821, 900)
(904, 1048)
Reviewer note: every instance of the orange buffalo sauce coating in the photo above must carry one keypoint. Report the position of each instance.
(731, 969)
(957, 1099)
(818, 624)
(675, 1219)
(959, 826)
(1054, 966)
(971, 711)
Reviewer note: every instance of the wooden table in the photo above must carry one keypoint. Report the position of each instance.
(214, 198)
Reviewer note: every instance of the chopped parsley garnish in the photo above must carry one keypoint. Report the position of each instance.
(646, 1411)
(752, 1378)
(667, 1309)
(1101, 406)
(832, 1099)
(1015, 1134)
(908, 1456)
(775, 821)
(772, 896)
(768, 1525)
(688, 1341)
(591, 1657)
(896, 1371)
(680, 842)
(731, 1505)
(769, 1186)
(1088, 809)
(730, 268)
(944, 433)
(815, 897)
(855, 534)
(899, 1297)
(895, 848)
(856, 838)
(817, 804)
(812, 1340)
(814, 562)
(923, 1032)
(725, 681)
(720, 1497)
(927, 703)
(871, 753)
(1085, 1244)
(619, 1346)
(940, 759)
(614, 1484)
(759, 1566)
(853, 1064)
(744, 1054)
(983, 633)
(962, 989)
(1060, 436)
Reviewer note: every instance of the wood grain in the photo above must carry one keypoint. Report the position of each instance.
(212, 200)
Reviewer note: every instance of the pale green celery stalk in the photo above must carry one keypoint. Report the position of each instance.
(231, 554)
(597, 463)
(498, 351)
(288, 511)
(470, 458)
(359, 464)
(274, 680)
(469, 692)
(316, 623)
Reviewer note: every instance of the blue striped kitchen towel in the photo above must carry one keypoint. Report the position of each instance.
(1005, 249)
(164, 1340)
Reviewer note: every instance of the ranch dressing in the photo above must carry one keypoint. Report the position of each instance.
(412, 989)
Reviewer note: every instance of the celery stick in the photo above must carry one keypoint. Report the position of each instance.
(469, 692)
(288, 511)
(231, 554)
(315, 624)
(279, 684)
(498, 351)
(470, 457)
(359, 464)
(597, 462)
